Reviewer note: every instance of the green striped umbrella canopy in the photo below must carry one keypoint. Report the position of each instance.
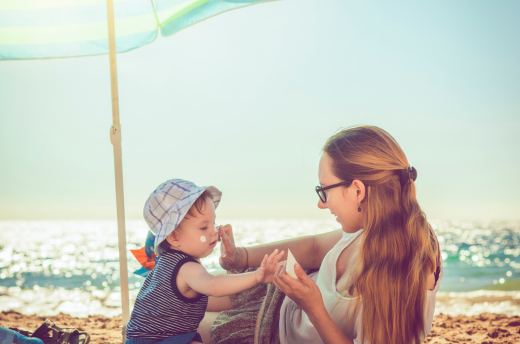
(36, 29)
(64, 28)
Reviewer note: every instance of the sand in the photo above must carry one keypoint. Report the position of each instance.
(484, 328)
(100, 328)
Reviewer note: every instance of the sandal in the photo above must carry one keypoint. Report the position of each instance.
(49, 333)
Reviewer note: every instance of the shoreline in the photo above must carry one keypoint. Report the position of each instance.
(81, 303)
(484, 328)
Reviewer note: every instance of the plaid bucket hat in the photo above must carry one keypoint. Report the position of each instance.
(169, 203)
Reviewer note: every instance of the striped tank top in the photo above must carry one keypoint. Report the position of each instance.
(160, 310)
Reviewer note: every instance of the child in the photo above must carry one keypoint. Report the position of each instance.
(174, 296)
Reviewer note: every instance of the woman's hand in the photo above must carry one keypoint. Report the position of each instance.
(230, 257)
(265, 273)
(303, 290)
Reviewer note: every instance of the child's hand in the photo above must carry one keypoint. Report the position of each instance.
(265, 272)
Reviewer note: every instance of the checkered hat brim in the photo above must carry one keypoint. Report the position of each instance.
(169, 203)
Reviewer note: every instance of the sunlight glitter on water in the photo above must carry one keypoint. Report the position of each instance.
(73, 266)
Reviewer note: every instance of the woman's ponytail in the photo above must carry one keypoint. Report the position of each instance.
(396, 254)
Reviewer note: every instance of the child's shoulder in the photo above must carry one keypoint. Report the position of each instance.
(190, 267)
(191, 271)
(182, 261)
(174, 261)
(188, 275)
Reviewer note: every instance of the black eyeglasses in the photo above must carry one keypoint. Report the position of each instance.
(321, 191)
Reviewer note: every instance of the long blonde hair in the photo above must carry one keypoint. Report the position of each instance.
(397, 253)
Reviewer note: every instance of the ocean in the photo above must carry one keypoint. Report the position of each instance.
(48, 267)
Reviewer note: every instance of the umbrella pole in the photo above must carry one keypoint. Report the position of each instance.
(115, 138)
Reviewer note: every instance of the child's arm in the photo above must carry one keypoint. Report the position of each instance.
(198, 279)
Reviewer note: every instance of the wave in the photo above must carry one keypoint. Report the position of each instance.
(477, 302)
(82, 303)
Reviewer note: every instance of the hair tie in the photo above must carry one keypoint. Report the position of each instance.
(407, 174)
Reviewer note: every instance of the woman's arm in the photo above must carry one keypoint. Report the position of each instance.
(307, 295)
(308, 250)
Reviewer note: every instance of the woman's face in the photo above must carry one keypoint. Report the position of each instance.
(341, 201)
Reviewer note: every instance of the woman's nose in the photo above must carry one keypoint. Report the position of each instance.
(322, 205)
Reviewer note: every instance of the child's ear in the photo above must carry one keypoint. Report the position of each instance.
(173, 240)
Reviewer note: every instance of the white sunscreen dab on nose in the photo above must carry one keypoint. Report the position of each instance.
(203, 238)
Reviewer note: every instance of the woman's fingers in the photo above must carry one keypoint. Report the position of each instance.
(276, 279)
(277, 270)
(294, 288)
(228, 251)
(280, 272)
(227, 248)
(229, 232)
(300, 273)
(290, 281)
(228, 244)
(303, 290)
(227, 237)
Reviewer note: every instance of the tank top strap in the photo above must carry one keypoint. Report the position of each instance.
(432, 233)
(438, 267)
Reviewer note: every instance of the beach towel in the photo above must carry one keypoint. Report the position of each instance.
(254, 318)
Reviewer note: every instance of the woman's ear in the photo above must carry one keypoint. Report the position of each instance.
(359, 187)
(173, 239)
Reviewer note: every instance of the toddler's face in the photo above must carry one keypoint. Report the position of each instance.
(197, 235)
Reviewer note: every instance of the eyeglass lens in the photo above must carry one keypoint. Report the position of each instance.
(322, 195)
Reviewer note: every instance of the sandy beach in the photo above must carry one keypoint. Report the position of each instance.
(483, 328)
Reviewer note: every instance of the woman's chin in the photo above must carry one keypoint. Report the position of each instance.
(343, 226)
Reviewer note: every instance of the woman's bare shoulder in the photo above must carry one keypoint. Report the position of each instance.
(326, 241)
(323, 243)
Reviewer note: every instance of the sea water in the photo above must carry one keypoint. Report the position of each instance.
(48, 267)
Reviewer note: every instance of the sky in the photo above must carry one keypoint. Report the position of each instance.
(245, 101)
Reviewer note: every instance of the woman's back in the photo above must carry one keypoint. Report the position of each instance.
(295, 326)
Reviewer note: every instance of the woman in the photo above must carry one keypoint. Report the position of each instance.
(378, 276)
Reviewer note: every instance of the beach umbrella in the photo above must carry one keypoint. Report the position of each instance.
(36, 29)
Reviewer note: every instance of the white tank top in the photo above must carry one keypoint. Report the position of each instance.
(295, 326)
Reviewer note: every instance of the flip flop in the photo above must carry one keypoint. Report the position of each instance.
(49, 333)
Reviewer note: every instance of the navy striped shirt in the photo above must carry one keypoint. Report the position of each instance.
(160, 310)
